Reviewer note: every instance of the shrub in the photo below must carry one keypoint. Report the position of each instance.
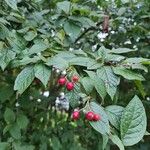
(72, 74)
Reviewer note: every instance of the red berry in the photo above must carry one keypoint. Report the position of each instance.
(75, 115)
(96, 117)
(70, 86)
(75, 78)
(62, 81)
(89, 115)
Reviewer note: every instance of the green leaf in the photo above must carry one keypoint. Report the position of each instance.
(2, 45)
(5, 93)
(22, 121)
(58, 62)
(26, 60)
(73, 98)
(37, 48)
(12, 4)
(7, 128)
(4, 32)
(56, 145)
(116, 140)
(146, 62)
(86, 22)
(19, 146)
(93, 65)
(30, 35)
(66, 55)
(64, 6)
(133, 122)
(15, 131)
(147, 133)
(121, 11)
(137, 60)
(103, 53)
(113, 57)
(106, 56)
(79, 52)
(24, 79)
(122, 50)
(60, 37)
(42, 73)
(9, 116)
(125, 1)
(24, 30)
(87, 84)
(4, 21)
(128, 74)
(110, 79)
(101, 126)
(4, 146)
(82, 61)
(105, 141)
(72, 30)
(6, 55)
(114, 113)
(98, 84)
(137, 63)
(64, 59)
(139, 66)
(17, 42)
(140, 87)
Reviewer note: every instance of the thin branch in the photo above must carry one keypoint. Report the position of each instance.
(87, 30)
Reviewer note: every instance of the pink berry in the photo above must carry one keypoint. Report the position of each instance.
(75, 115)
(75, 78)
(89, 115)
(62, 81)
(70, 86)
(96, 117)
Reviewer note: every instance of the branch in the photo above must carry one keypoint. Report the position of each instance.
(87, 30)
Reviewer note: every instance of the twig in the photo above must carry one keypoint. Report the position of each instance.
(87, 30)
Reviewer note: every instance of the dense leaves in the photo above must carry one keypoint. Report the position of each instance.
(104, 43)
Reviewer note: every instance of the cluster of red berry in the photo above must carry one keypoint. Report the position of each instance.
(69, 85)
(90, 116)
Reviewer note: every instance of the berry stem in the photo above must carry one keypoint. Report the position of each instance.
(87, 105)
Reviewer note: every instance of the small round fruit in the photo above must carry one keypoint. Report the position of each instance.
(75, 78)
(75, 115)
(89, 115)
(96, 117)
(70, 86)
(62, 81)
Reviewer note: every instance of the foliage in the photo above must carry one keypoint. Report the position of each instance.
(105, 43)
